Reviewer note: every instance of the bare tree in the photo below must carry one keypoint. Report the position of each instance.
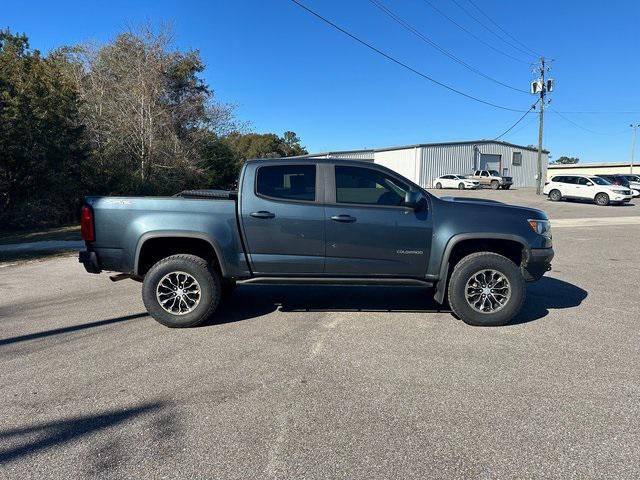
(144, 105)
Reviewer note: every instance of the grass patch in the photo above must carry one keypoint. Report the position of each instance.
(69, 232)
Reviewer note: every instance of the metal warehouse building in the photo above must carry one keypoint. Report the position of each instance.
(424, 162)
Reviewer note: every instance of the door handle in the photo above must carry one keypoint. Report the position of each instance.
(263, 214)
(343, 218)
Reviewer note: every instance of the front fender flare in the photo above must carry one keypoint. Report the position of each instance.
(441, 286)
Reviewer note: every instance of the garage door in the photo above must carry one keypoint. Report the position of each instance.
(489, 162)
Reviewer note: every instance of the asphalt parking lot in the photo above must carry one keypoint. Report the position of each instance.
(328, 382)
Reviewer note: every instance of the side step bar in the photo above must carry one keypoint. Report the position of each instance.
(415, 282)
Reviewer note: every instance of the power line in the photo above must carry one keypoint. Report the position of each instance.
(603, 112)
(429, 41)
(519, 120)
(489, 29)
(403, 65)
(502, 29)
(580, 126)
(473, 35)
(522, 127)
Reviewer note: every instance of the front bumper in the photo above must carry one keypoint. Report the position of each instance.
(617, 197)
(90, 261)
(538, 262)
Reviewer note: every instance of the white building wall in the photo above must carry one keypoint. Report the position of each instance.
(404, 161)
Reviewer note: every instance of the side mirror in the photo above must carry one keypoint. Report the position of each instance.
(414, 200)
(589, 184)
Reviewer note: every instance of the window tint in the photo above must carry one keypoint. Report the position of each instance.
(485, 174)
(368, 187)
(477, 173)
(599, 181)
(290, 182)
(517, 159)
(582, 181)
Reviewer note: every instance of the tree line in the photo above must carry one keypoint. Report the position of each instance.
(129, 117)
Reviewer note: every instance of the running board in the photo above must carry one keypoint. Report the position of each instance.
(413, 282)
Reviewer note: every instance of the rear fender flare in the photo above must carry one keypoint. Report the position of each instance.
(180, 234)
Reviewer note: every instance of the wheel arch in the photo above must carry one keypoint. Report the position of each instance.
(199, 243)
(480, 239)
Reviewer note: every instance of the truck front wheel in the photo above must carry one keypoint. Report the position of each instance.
(181, 291)
(486, 289)
(495, 184)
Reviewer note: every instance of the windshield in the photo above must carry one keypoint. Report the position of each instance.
(494, 173)
(599, 181)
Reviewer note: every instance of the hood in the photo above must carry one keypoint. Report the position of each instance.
(485, 206)
(449, 198)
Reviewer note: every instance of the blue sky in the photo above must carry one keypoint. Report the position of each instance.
(288, 71)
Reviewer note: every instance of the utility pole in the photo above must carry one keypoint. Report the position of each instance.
(634, 130)
(541, 87)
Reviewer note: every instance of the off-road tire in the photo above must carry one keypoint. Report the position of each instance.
(466, 269)
(206, 276)
(461, 186)
(602, 199)
(555, 195)
(506, 187)
(439, 186)
(495, 185)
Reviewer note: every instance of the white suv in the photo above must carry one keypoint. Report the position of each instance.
(585, 187)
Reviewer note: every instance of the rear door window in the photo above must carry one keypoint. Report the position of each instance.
(287, 182)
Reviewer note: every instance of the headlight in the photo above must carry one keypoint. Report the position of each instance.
(541, 227)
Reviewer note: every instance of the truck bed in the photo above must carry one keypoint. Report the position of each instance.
(123, 224)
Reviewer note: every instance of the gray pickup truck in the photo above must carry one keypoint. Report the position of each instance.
(317, 222)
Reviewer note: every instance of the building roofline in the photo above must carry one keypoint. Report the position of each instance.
(416, 145)
(588, 165)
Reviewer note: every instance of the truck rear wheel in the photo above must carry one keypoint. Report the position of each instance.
(495, 184)
(486, 289)
(181, 291)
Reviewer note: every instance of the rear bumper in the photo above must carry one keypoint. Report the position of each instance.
(90, 261)
(537, 264)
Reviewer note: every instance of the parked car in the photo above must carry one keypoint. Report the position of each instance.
(460, 182)
(492, 178)
(317, 221)
(586, 187)
(633, 183)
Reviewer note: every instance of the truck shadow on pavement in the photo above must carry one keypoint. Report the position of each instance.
(250, 301)
(548, 294)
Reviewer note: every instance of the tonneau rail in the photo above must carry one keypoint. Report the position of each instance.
(211, 194)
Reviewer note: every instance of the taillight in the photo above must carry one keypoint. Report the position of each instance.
(86, 224)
